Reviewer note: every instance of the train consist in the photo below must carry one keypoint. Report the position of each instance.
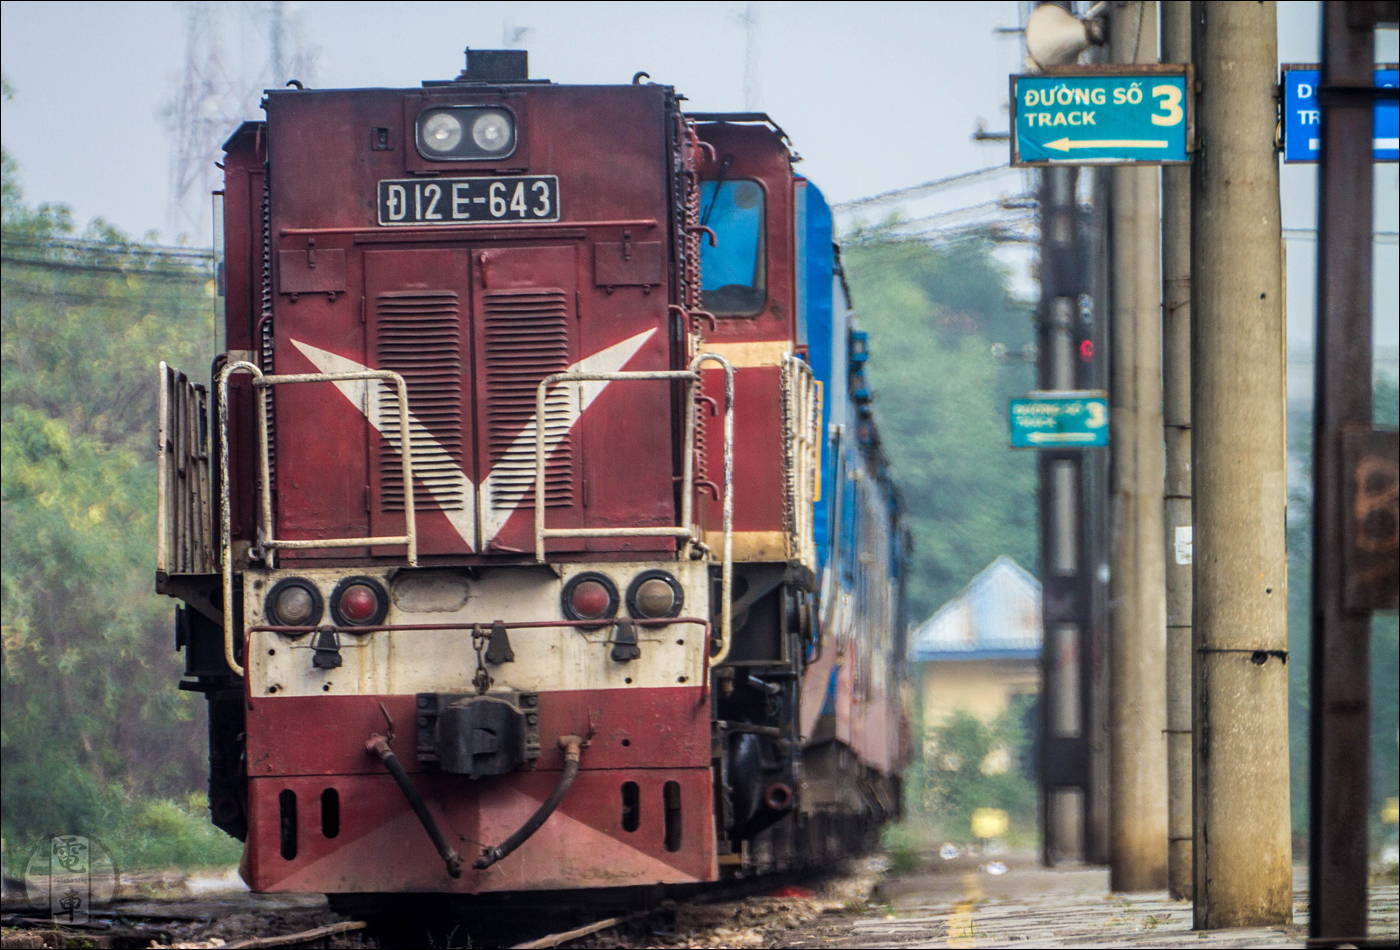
(534, 533)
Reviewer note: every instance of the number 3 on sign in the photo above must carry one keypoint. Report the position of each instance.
(1098, 415)
(1171, 103)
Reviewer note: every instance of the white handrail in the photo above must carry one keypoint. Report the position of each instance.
(684, 530)
(261, 382)
(727, 562)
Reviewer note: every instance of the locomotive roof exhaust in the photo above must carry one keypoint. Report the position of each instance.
(496, 65)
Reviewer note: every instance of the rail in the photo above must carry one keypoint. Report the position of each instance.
(261, 382)
(691, 376)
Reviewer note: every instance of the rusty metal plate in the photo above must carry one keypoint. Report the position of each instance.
(1370, 519)
(312, 271)
(628, 264)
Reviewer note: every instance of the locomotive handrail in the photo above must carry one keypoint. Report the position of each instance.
(684, 530)
(727, 562)
(261, 382)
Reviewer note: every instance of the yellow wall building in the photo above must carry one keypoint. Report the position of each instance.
(981, 650)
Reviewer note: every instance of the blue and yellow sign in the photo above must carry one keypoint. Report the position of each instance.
(1108, 115)
(1060, 419)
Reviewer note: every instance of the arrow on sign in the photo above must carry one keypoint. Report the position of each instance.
(1061, 436)
(1064, 145)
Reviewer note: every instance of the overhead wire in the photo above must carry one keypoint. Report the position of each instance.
(42, 264)
(915, 191)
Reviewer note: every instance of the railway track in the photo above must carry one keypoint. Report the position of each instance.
(710, 916)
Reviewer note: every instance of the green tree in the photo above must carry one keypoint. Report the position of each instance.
(933, 315)
(973, 764)
(93, 726)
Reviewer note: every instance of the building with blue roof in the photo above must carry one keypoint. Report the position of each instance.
(981, 650)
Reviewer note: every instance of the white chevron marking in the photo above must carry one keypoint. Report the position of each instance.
(610, 360)
(426, 449)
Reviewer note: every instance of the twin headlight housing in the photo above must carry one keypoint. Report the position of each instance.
(465, 133)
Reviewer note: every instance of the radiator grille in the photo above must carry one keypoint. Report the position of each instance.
(527, 339)
(418, 335)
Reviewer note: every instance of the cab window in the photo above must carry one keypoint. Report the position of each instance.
(733, 274)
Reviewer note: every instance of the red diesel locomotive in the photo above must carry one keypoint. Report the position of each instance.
(534, 532)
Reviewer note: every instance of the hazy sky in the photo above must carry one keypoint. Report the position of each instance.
(875, 95)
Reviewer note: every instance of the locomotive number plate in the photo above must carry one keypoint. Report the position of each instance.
(508, 199)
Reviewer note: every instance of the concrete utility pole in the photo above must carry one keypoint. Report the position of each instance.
(1242, 853)
(1137, 610)
(1176, 419)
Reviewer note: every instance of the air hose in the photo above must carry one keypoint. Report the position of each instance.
(379, 746)
(572, 746)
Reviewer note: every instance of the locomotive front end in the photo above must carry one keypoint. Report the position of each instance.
(449, 423)
(501, 530)
(476, 675)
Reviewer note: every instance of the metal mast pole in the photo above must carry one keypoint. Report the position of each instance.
(1242, 850)
(1137, 638)
(1354, 477)
(1176, 419)
(1065, 590)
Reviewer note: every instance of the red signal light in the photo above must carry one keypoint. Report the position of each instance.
(1086, 350)
(590, 600)
(358, 603)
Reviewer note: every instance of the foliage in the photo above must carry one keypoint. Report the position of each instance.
(94, 731)
(903, 842)
(168, 832)
(933, 315)
(969, 764)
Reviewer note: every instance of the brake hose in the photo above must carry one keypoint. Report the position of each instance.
(379, 745)
(572, 746)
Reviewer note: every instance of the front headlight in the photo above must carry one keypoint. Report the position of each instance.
(294, 602)
(492, 131)
(442, 133)
(653, 595)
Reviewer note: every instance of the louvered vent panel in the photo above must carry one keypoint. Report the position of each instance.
(418, 335)
(527, 339)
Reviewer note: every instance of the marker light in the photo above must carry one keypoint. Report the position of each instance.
(491, 131)
(442, 131)
(359, 602)
(654, 594)
(294, 602)
(590, 597)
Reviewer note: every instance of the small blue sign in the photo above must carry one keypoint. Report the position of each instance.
(1093, 117)
(1302, 116)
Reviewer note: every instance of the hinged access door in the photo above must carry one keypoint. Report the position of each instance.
(526, 329)
(417, 316)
